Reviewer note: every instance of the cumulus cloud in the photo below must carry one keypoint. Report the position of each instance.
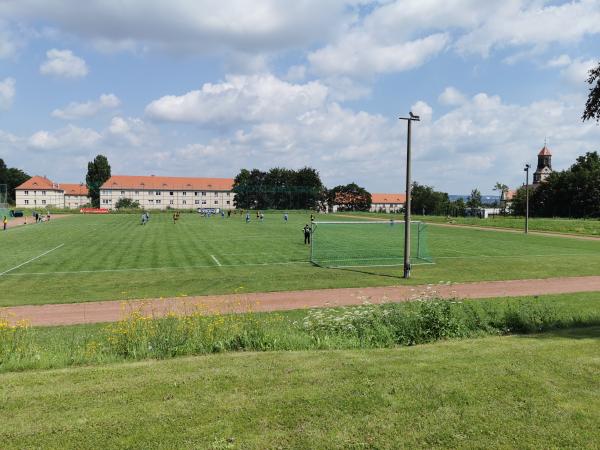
(68, 138)
(7, 92)
(131, 130)
(238, 99)
(577, 71)
(63, 63)
(359, 54)
(451, 97)
(75, 110)
(191, 26)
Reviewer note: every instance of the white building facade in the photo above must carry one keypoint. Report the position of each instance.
(40, 192)
(156, 192)
(388, 203)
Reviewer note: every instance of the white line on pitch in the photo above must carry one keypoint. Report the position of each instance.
(31, 260)
(215, 260)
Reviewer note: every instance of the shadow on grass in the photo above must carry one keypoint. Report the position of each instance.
(581, 331)
(370, 272)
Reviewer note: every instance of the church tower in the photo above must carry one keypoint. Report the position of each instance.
(544, 166)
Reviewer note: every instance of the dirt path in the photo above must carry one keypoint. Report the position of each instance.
(110, 311)
(29, 220)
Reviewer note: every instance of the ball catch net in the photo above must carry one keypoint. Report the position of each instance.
(366, 243)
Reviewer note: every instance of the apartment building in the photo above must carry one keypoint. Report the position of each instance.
(40, 192)
(387, 202)
(157, 192)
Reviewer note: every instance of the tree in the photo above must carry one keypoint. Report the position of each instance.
(474, 201)
(592, 105)
(12, 177)
(350, 197)
(127, 203)
(426, 200)
(503, 190)
(97, 174)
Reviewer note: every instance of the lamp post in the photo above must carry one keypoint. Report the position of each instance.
(526, 169)
(411, 117)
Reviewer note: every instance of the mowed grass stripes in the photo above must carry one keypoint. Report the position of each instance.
(113, 257)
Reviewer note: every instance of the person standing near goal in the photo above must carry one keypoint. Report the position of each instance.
(306, 231)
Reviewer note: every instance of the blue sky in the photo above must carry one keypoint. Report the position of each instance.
(205, 87)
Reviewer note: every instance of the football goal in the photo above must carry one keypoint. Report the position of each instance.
(366, 243)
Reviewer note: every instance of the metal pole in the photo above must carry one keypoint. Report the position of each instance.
(407, 206)
(526, 198)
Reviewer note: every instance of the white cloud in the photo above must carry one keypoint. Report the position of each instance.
(191, 26)
(559, 61)
(239, 99)
(7, 92)
(68, 138)
(423, 110)
(451, 97)
(359, 54)
(131, 130)
(63, 63)
(577, 70)
(75, 110)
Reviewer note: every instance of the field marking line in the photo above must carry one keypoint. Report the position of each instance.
(31, 260)
(148, 269)
(215, 260)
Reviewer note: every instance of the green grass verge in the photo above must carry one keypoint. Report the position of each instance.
(536, 391)
(367, 326)
(113, 257)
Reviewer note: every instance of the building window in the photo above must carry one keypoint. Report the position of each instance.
(216, 202)
(26, 192)
(228, 194)
(122, 192)
(171, 202)
(157, 192)
(184, 193)
(43, 202)
(184, 202)
(171, 193)
(27, 202)
(43, 192)
(152, 201)
(197, 202)
(204, 202)
(137, 192)
(195, 193)
(228, 202)
(204, 193)
(157, 202)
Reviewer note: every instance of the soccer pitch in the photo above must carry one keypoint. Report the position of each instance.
(113, 257)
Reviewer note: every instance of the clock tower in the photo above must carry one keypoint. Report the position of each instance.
(544, 166)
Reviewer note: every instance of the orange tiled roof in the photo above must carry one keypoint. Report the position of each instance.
(545, 152)
(38, 182)
(388, 198)
(74, 189)
(161, 183)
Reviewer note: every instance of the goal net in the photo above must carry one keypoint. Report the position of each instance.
(366, 243)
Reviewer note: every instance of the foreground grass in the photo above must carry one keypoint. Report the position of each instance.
(115, 258)
(537, 391)
(139, 337)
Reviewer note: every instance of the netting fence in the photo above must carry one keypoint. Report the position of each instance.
(367, 243)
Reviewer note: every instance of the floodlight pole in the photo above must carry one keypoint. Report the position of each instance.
(526, 169)
(411, 117)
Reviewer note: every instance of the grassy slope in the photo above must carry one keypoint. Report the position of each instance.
(177, 259)
(65, 346)
(539, 391)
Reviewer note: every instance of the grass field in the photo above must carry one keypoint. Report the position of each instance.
(589, 227)
(534, 391)
(113, 257)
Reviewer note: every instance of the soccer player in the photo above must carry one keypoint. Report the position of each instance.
(4, 223)
(247, 217)
(306, 230)
(144, 219)
(285, 217)
(262, 217)
(312, 217)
